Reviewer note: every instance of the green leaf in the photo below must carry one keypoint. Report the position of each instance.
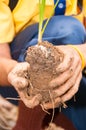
(41, 17)
(46, 23)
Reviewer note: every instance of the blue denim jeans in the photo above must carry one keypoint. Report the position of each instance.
(61, 30)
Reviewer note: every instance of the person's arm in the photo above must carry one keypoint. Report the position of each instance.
(7, 33)
(6, 63)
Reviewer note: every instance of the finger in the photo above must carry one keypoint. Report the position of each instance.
(19, 82)
(20, 69)
(69, 83)
(5, 103)
(31, 102)
(63, 77)
(54, 103)
(65, 64)
(19, 75)
(73, 90)
(22, 66)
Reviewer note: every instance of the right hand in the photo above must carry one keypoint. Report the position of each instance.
(19, 78)
(66, 85)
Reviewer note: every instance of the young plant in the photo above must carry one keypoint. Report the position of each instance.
(42, 4)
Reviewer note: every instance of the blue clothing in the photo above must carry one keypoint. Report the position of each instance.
(61, 30)
(60, 10)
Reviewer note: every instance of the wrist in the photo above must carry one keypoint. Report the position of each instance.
(82, 48)
(80, 53)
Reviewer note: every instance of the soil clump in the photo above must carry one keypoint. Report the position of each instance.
(44, 59)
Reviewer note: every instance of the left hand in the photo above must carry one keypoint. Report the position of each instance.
(67, 83)
(18, 77)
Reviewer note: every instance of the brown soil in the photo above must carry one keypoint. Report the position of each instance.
(43, 59)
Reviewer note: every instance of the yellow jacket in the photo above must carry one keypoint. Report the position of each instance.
(26, 13)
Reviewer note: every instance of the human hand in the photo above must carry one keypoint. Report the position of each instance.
(8, 114)
(19, 78)
(67, 83)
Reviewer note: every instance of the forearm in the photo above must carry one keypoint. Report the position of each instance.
(6, 64)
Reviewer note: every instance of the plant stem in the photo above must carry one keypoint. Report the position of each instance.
(49, 17)
(41, 18)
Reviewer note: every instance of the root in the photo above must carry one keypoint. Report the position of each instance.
(74, 98)
(15, 99)
(44, 109)
(52, 101)
(60, 109)
(30, 84)
(64, 105)
(53, 107)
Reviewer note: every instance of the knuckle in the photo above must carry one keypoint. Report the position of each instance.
(19, 83)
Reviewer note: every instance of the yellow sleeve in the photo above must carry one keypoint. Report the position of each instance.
(84, 12)
(84, 7)
(7, 30)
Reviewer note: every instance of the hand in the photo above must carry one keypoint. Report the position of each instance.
(67, 83)
(19, 78)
